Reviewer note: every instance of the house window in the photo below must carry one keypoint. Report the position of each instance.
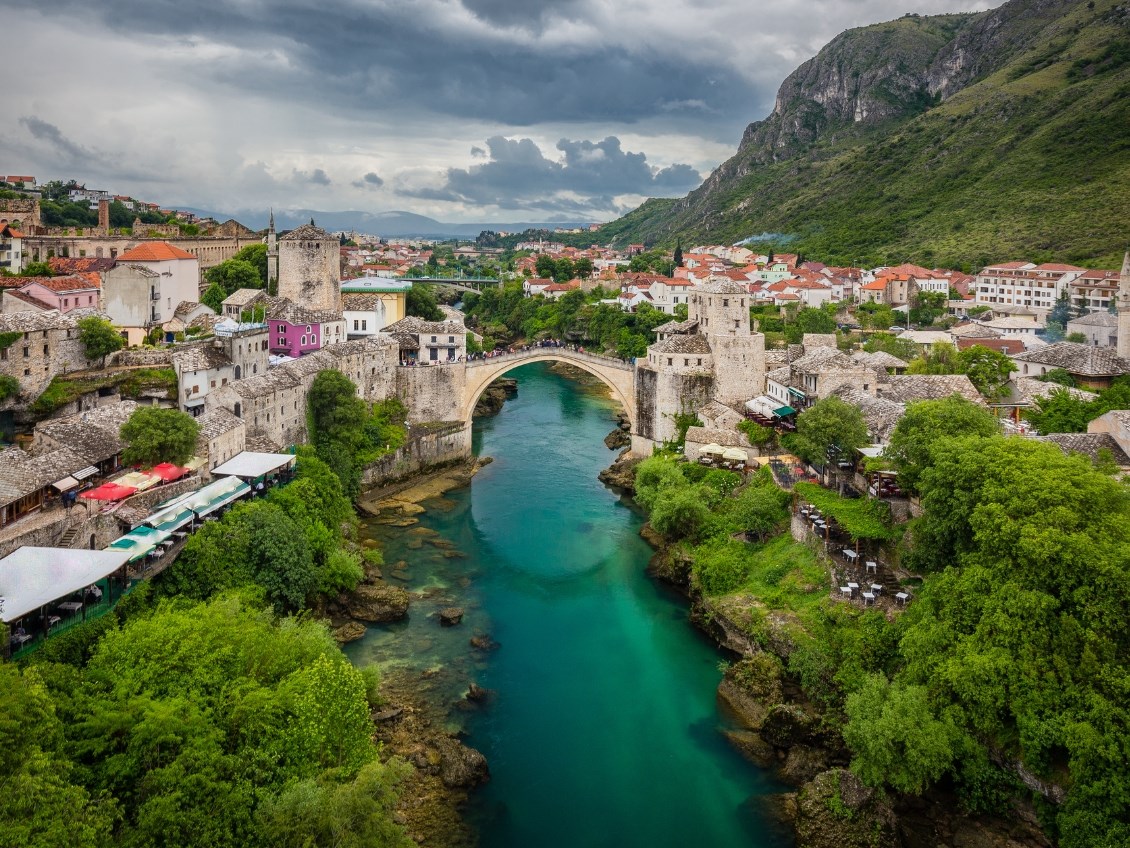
(46, 352)
(355, 324)
(213, 384)
(670, 361)
(66, 302)
(27, 372)
(308, 328)
(686, 363)
(196, 390)
(303, 340)
(26, 352)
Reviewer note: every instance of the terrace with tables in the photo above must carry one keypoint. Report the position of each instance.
(46, 591)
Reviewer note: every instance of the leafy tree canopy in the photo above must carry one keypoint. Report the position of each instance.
(98, 337)
(154, 435)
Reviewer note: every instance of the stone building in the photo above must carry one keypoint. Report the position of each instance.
(272, 405)
(371, 304)
(237, 351)
(297, 330)
(310, 268)
(1100, 328)
(146, 286)
(1092, 367)
(222, 436)
(429, 342)
(39, 346)
(1124, 308)
(712, 356)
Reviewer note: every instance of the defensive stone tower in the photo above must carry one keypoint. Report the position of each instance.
(1124, 308)
(310, 269)
(272, 254)
(721, 308)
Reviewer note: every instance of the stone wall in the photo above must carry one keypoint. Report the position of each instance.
(431, 392)
(310, 273)
(39, 356)
(21, 210)
(147, 358)
(426, 446)
(104, 529)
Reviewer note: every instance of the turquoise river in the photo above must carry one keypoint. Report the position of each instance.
(604, 730)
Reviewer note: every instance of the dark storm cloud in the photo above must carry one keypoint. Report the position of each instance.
(519, 175)
(398, 55)
(528, 14)
(71, 152)
(370, 180)
(315, 177)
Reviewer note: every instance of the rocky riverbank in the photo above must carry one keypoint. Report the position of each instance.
(490, 402)
(780, 729)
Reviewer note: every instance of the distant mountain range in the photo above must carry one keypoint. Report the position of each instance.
(953, 140)
(391, 224)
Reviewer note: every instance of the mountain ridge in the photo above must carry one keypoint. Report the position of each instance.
(887, 144)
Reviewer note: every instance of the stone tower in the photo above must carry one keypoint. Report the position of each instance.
(103, 217)
(272, 255)
(310, 268)
(721, 307)
(1124, 308)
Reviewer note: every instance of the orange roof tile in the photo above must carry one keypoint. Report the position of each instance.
(156, 251)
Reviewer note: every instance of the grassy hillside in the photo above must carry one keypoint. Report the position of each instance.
(1032, 161)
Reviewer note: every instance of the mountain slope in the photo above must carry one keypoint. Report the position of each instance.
(953, 140)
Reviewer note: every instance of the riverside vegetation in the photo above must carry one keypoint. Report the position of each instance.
(1003, 682)
(209, 708)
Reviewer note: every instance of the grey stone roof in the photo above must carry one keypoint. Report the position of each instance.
(722, 285)
(202, 357)
(217, 422)
(878, 359)
(907, 388)
(242, 297)
(725, 438)
(776, 356)
(359, 301)
(688, 326)
(26, 322)
(307, 232)
(820, 359)
(282, 309)
(780, 375)
(262, 385)
(1076, 358)
(258, 441)
(1095, 319)
(22, 473)
(1089, 444)
(880, 415)
(419, 326)
(405, 341)
(682, 344)
(975, 330)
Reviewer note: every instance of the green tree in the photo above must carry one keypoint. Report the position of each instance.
(942, 358)
(924, 429)
(760, 510)
(9, 387)
(545, 266)
(988, 370)
(1077, 338)
(810, 320)
(827, 429)
(154, 435)
(583, 268)
(421, 302)
(37, 269)
(98, 337)
(895, 736)
(214, 298)
(256, 256)
(234, 274)
(1063, 412)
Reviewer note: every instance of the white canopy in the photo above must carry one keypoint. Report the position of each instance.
(713, 449)
(872, 450)
(31, 578)
(251, 464)
(734, 454)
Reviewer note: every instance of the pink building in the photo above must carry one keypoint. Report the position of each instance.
(74, 291)
(295, 330)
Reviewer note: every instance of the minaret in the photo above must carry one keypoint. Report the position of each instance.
(1124, 308)
(272, 256)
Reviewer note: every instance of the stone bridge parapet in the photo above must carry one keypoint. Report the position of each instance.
(618, 375)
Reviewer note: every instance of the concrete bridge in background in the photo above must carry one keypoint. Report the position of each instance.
(474, 284)
(618, 375)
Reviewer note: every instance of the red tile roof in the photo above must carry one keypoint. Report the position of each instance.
(68, 283)
(156, 251)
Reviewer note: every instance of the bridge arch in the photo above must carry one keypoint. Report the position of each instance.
(619, 376)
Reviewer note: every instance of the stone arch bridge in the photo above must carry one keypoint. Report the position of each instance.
(618, 375)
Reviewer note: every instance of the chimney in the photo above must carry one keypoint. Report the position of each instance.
(104, 215)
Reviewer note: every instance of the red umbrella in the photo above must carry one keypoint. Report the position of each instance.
(167, 471)
(108, 492)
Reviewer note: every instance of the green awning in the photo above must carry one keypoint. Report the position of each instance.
(796, 392)
(783, 411)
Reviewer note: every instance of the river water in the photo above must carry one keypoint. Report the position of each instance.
(604, 730)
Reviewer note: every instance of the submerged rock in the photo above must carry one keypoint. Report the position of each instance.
(378, 603)
(450, 616)
(835, 810)
(483, 642)
(478, 694)
(459, 765)
(617, 439)
(351, 631)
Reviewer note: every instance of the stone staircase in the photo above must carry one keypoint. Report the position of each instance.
(67, 540)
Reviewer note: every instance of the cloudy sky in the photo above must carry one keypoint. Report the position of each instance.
(464, 110)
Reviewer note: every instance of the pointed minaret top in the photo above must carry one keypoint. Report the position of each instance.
(272, 217)
(1126, 266)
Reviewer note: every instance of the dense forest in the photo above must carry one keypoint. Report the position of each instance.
(208, 708)
(1012, 657)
